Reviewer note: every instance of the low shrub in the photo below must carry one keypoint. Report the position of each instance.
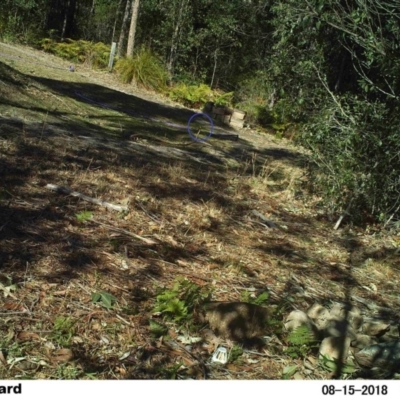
(143, 69)
(95, 55)
(196, 96)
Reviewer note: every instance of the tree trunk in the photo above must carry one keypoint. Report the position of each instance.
(175, 40)
(215, 68)
(132, 29)
(68, 21)
(117, 14)
(124, 25)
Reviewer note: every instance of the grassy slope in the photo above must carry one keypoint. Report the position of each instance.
(194, 200)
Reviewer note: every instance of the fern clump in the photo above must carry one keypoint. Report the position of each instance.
(143, 69)
(191, 95)
(195, 96)
(301, 340)
(79, 51)
(178, 304)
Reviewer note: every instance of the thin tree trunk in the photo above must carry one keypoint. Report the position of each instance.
(215, 68)
(175, 41)
(132, 29)
(117, 14)
(124, 25)
(69, 17)
(92, 9)
(64, 25)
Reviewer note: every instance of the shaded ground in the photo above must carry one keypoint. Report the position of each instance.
(85, 131)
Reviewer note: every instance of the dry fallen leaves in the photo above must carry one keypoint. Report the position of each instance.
(62, 356)
(27, 337)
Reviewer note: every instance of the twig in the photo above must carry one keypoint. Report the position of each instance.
(125, 232)
(71, 192)
(147, 213)
(387, 222)
(339, 221)
(124, 320)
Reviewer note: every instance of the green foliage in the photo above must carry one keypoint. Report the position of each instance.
(171, 373)
(95, 55)
(195, 96)
(332, 365)
(255, 95)
(84, 216)
(63, 331)
(157, 330)
(67, 372)
(223, 99)
(177, 304)
(300, 340)
(105, 299)
(289, 371)
(143, 69)
(19, 20)
(235, 353)
(260, 300)
(353, 147)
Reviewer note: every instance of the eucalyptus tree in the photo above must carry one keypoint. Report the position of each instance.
(132, 27)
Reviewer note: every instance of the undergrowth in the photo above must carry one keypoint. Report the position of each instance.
(196, 96)
(179, 303)
(95, 55)
(143, 69)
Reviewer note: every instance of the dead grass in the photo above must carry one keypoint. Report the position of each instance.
(196, 203)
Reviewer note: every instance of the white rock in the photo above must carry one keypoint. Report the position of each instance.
(333, 347)
(298, 318)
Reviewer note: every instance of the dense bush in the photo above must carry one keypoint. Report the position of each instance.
(356, 153)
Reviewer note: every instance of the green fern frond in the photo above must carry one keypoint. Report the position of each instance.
(301, 335)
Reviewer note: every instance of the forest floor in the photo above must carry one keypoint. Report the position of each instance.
(79, 282)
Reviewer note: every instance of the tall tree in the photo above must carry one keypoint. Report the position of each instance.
(124, 27)
(132, 29)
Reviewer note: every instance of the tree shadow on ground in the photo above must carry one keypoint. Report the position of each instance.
(40, 228)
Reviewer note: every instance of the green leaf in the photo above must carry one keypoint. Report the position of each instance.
(96, 297)
(157, 329)
(107, 300)
(262, 298)
(84, 216)
(289, 371)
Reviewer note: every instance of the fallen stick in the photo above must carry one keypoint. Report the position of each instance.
(125, 232)
(339, 221)
(110, 206)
